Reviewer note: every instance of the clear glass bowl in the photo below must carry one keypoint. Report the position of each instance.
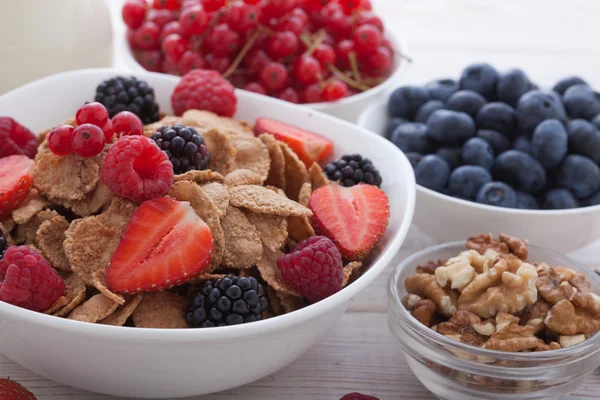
(453, 370)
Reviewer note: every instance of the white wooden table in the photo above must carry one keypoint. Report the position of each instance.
(548, 39)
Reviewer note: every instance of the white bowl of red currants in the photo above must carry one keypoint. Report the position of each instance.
(492, 149)
(334, 56)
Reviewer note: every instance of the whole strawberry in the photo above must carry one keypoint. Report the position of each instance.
(314, 268)
(11, 390)
(202, 89)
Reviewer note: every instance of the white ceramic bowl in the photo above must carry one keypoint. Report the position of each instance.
(348, 109)
(447, 219)
(155, 363)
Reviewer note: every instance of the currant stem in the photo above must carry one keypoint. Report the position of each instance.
(249, 43)
(351, 82)
(354, 67)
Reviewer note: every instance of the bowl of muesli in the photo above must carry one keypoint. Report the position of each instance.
(143, 234)
(496, 319)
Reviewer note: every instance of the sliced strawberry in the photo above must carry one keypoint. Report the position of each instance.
(165, 244)
(15, 182)
(309, 146)
(354, 218)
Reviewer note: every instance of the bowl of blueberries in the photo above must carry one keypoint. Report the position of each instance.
(494, 149)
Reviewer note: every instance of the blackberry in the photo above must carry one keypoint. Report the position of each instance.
(353, 169)
(184, 146)
(128, 94)
(227, 301)
(3, 246)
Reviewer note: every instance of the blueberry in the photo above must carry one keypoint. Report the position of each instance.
(520, 170)
(481, 78)
(391, 125)
(498, 141)
(414, 158)
(441, 89)
(465, 181)
(536, 106)
(497, 194)
(498, 117)
(559, 199)
(466, 101)
(427, 109)
(452, 155)
(596, 121)
(584, 139)
(549, 142)
(412, 137)
(522, 143)
(450, 127)
(432, 172)
(525, 201)
(582, 102)
(511, 86)
(477, 151)
(593, 200)
(580, 175)
(405, 101)
(565, 83)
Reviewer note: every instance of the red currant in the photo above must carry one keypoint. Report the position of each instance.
(60, 140)
(134, 13)
(242, 17)
(282, 44)
(127, 123)
(343, 49)
(324, 54)
(221, 41)
(174, 46)
(167, 4)
(313, 93)
(350, 5)
(131, 38)
(255, 87)
(379, 63)
(291, 23)
(219, 64)
(366, 5)
(335, 90)
(147, 36)
(367, 38)
(189, 3)
(108, 131)
(340, 24)
(213, 5)
(193, 20)
(290, 95)
(300, 13)
(91, 113)
(253, 2)
(169, 28)
(190, 60)
(171, 66)
(330, 8)
(278, 8)
(307, 69)
(256, 60)
(161, 17)
(88, 140)
(368, 17)
(151, 60)
(274, 76)
(316, 5)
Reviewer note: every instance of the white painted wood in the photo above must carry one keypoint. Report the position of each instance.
(548, 39)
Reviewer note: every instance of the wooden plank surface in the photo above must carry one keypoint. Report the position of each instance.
(548, 39)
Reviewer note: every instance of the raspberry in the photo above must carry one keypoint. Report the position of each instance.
(314, 268)
(28, 280)
(135, 168)
(16, 139)
(358, 396)
(60, 140)
(204, 90)
(88, 140)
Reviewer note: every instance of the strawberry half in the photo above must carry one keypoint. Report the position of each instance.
(15, 182)
(165, 244)
(309, 146)
(354, 218)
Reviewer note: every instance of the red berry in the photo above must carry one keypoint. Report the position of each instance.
(134, 13)
(127, 123)
(190, 60)
(316, 5)
(170, 66)
(307, 69)
(169, 28)
(147, 36)
(189, 3)
(161, 17)
(222, 41)
(274, 76)
(313, 93)
(16, 139)
(255, 87)
(202, 89)
(290, 95)
(88, 140)
(28, 280)
(193, 20)
(256, 60)
(343, 49)
(253, 2)
(282, 44)
(314, 268)
(174, 46)
(380, 62)
(368, 17)
(367, 38)
(219, 64)
(135, 168)
(167, 4)
(15, 182)
(278, 8)
(351, 5)
(243, 17)
(60, 140)
(335, 90)
(108, 131)
(324, 54)
(14, 389)
(151, 60)
(340, 24)
(358, 396)
(213, 5)
(92, 113)
(300, 13)
(291, 23)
